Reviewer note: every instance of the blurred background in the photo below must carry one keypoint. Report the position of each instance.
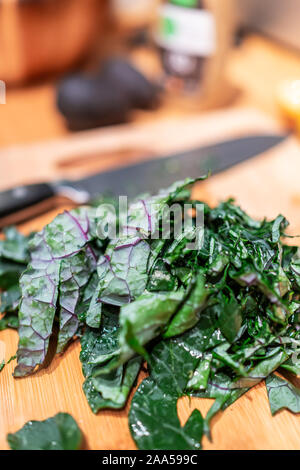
(176, 58)
(82, 74)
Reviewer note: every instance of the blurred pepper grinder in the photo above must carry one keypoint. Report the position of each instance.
(194, 38)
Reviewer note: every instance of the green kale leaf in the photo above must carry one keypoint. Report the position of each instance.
(108, 390)
(58, 433)
(282, 394)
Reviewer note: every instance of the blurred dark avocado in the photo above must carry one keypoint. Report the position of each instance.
(106, 97)
(87, 102)
(143, 93)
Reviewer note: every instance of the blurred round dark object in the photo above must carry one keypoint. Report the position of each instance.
(88, 102)
(143, 94)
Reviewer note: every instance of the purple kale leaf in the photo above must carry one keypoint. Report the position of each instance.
(74, 275)
(123, 270)
(61, 264)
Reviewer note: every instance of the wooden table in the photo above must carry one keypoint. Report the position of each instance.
(264, 186)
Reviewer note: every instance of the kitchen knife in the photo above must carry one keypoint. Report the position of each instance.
(146, 176)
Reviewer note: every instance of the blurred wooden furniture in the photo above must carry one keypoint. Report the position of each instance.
(48, 36)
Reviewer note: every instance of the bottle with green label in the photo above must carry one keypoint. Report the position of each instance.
(194, 37)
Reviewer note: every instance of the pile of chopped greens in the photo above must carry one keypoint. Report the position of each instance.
(209, 322)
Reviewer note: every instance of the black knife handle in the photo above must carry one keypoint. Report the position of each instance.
(21, 197)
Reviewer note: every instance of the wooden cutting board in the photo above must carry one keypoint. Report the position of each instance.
(264, 186)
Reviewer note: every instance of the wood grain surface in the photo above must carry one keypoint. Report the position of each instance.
(264, 186)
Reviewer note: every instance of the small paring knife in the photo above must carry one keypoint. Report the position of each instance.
(146, 176)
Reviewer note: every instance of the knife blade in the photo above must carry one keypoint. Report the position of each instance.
(146, 176)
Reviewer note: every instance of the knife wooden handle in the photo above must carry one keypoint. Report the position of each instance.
(21, 197)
